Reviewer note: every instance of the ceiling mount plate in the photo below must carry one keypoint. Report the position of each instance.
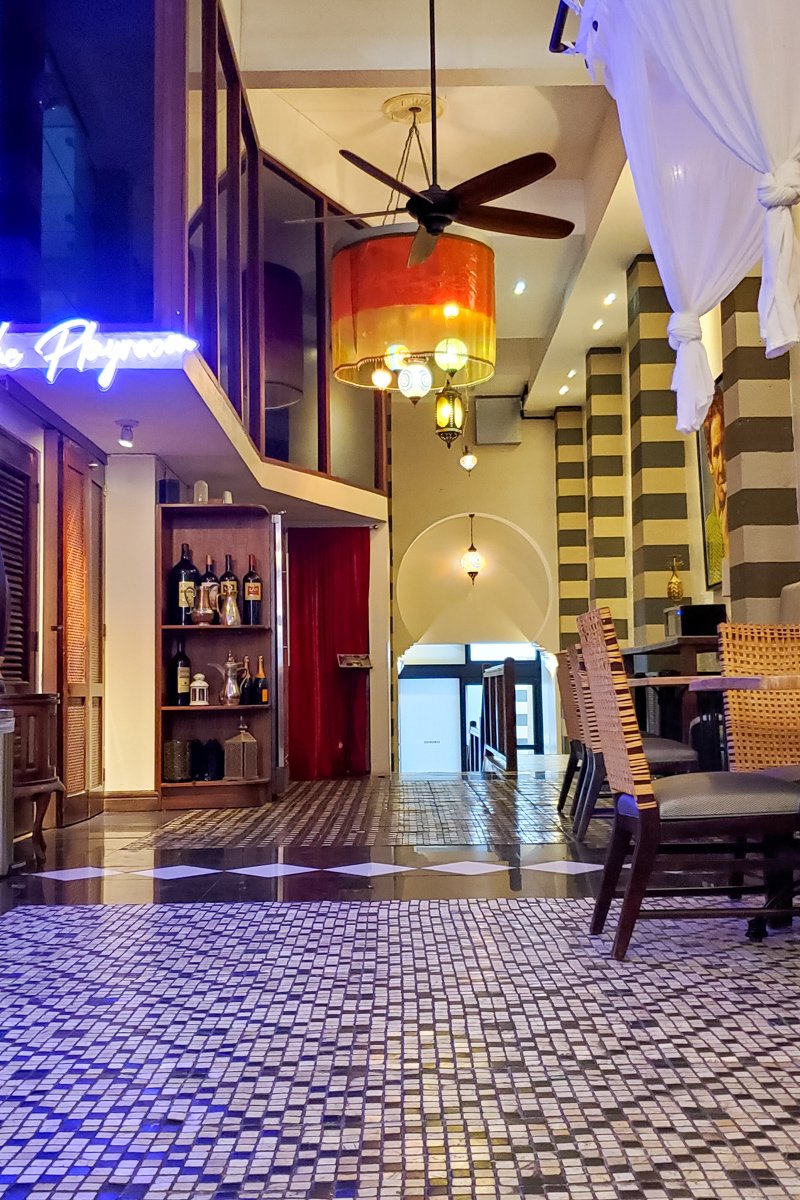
(402, 108)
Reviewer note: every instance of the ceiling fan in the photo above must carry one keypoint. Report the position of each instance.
(435, 208)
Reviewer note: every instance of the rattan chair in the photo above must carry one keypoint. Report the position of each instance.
(762, 729)
(572, 723)
(679, 808)
(664, 755)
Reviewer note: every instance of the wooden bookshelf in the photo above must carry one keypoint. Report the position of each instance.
(215, 529)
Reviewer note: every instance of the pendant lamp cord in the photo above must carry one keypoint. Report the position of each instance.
(411, 137)
(434, 151)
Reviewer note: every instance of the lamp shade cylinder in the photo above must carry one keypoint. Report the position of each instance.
(380, 305)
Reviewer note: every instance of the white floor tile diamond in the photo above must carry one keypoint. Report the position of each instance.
(467, 868)
(369, 868)
(78, 873)
(178, 872)
(561, 866)
(270, 870)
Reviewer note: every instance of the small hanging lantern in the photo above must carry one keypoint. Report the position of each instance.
(471, 560)
(198, 691)
(241, 755)
(468, 460)
(449, 415)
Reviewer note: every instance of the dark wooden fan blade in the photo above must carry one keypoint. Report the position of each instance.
(511, 220)
(502, 181)
(376, 173)
(383, 212)
(422, 247)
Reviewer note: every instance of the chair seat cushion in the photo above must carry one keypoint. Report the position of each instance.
(790, 772)
(709, 794)
(661, 751)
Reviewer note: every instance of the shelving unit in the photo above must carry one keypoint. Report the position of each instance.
(215, 529)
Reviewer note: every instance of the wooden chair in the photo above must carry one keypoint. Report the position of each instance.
(664, 755)
(572, 723)
(762, 729)
(681, 808)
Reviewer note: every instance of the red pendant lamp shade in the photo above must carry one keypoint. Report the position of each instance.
(378, 302)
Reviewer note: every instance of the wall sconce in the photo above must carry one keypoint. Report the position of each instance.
(471, 560)
(126, 428)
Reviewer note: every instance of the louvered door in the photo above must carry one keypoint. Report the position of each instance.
(81, 635)
(18, 498)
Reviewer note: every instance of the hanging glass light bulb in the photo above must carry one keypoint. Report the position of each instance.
(414, 381)
(468, 460)
(382, 378)
(449, 415)
(451, 355)
(471, 560)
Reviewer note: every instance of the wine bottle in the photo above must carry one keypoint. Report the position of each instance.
(251, 594)
(210, 576)
(247, 684)
(262, 688)
(182, 584)
(228, 583)
(180, 677)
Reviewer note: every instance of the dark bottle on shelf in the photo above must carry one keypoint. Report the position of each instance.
(228, 583)
(251, 594)
(262, 688)
(179, 678)
(247, 686)
(182, 584)
(210, 576)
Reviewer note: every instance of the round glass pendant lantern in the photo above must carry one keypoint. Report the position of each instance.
(472, 561)
(439, 315)
(449, 413)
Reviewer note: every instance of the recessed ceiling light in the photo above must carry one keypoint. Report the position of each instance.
(609, 299)
(562, 391)
(519, 287)
(571, 374)
(598, 324)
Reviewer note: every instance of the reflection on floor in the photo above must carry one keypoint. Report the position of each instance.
(379, 990)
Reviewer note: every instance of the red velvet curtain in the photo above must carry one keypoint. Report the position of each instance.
(328, 616)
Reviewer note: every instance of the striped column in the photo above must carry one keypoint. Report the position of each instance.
(659, 480)
(609, 566)
(573, 583)
(764, 550)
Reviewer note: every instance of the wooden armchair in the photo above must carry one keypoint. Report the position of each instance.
(572, 723)
(679, 808)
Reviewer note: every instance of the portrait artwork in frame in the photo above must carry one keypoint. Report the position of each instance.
(714, 489)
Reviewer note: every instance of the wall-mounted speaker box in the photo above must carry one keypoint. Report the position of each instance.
(497, 421)
(169, 491)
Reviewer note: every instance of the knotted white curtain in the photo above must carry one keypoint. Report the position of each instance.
(737, 62)
(697, 199)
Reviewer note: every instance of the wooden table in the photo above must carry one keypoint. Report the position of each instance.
(745, 683)
(685, 649)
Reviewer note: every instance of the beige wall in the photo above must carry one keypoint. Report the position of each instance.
(513, 484)
(130, 626)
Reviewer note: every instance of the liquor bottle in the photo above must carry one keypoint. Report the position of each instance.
(251, 594)
(179, 678)
(210, 576)
(262, 688)
(247, 685)
(228, 583)
(182, 584)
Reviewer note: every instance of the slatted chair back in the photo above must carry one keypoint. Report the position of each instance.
(620, 739)
(591, 734)
(762, 728)
(569, 699)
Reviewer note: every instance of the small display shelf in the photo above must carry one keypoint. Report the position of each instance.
(216, 530)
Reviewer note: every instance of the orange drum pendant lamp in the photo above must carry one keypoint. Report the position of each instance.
(411, 329)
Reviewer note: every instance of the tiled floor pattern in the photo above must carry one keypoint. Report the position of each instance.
(454, 811)
(394, 1051)
(278, 870)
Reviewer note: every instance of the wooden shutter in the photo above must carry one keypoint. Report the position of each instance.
(18, 471)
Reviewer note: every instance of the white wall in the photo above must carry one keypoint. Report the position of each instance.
(130, 566)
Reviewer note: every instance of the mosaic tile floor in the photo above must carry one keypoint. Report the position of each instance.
(398, 1051)
(454, 811)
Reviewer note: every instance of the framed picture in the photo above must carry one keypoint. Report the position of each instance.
(358, 662)
(713, 489)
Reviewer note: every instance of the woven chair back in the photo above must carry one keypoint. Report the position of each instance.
(620, 739)
(762, 728)
(569, 699)
(577, 670)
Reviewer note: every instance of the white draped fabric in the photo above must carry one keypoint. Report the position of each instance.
(697, 199)
(736, 61)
